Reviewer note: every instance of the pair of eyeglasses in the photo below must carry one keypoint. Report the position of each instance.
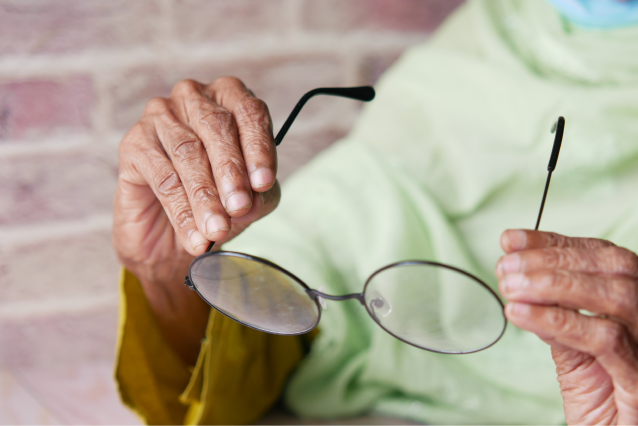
(429, 305)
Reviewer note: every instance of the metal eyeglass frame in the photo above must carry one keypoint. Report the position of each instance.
(366, 94)
(315, 295)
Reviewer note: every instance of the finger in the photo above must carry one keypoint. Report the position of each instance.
(607, 340)
(190, 160)
(263, 204)
(161, 176)
(606, 260)
(614, 296)
(524, 239)
(254, 127)
(215, 127)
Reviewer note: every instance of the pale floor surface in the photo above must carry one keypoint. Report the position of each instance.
(86, 394)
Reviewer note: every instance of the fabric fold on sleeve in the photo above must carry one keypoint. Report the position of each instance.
(150, 375)
(239, 374)
(243, 372)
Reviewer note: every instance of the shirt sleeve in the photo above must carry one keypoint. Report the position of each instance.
(239, 374)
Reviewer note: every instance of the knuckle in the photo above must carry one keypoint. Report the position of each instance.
(140, 128)
(228, 80)
(624, 261)
(568, 258)
(135, 133)
(156, 105)
(203, 193)
(166, 180)
(260, 147)
(622, 297)
(230, 169)
(560, 279)
(186, 149)
(250, 107)
(614, 338)
(215, 118)
(266, 153)
(555, 240)
(185, 87)
(220, 116)
(557, 320)
(594, 243)
(182, 216)
(185, 145)
(553, 258)
(136, 144)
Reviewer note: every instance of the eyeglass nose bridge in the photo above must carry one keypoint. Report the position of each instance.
(358, 296)
(378, 302)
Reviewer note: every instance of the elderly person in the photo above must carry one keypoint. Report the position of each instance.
(449, 155)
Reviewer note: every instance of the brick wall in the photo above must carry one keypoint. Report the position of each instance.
(75, 74)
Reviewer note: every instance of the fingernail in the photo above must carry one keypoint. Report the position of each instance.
(514, 282)
(216, 223)
(517, 239)
(237, 201)
(262, 177)
(196, 239)
(510, 263)
(518, 308)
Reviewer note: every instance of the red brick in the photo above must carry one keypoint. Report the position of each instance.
(41, 26)
(59, 339)
(200, 21)
(279, 81)
(79, 266)
(32, 108)
(393, 15)
(53, 187)
(133, 89)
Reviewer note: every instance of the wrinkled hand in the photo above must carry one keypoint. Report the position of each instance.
(547, 278)
(199, 166)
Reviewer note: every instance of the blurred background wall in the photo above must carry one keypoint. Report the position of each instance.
(76, 74)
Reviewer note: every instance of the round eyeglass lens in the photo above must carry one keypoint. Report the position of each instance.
(434, 307)
(254, 293)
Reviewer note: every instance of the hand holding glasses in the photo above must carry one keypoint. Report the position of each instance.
(406, 299)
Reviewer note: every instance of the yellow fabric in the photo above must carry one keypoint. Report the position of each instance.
(239, 374)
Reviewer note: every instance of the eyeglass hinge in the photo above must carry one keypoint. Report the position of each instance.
(187, 283)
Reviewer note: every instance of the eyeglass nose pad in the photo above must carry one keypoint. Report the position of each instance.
(379, 306)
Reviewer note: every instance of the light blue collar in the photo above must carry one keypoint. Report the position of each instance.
(598, 13)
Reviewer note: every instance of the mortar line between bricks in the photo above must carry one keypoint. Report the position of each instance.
(53, 145)
(52, 306)
(305, 44)
(16, 236)
(308, 127)
(111, 139)
(108, 60)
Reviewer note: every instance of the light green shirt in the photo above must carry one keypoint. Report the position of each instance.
(452, 152)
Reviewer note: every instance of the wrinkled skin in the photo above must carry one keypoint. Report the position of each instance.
(547, 278)
(199, 166)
